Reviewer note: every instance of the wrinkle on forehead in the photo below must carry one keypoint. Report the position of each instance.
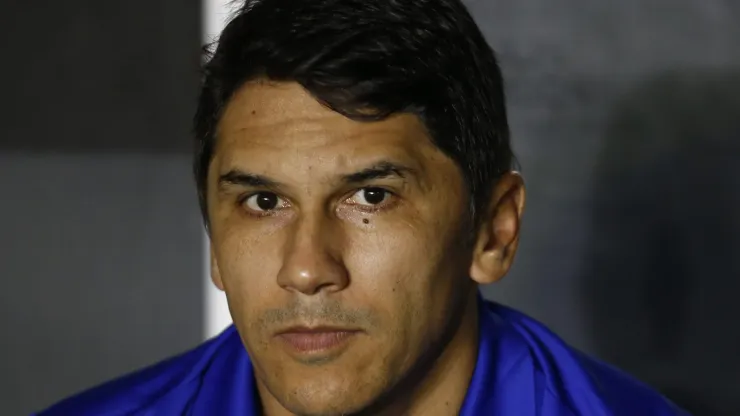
(266, 110)
(271, 128)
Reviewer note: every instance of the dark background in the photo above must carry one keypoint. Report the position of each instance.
(101, 260)
(625, 117)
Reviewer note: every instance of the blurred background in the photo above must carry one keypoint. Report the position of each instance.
(625, 117)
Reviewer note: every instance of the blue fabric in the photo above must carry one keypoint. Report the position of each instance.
(523, 369)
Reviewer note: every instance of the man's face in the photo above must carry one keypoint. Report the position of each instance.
(341, 245)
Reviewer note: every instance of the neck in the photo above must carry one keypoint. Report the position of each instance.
(443, 387)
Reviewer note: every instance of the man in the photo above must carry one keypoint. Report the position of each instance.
(355, 174)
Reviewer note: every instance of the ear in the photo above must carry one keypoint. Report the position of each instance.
(498, 231)
(215, 272)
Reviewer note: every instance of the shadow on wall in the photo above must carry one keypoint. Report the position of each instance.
(662, 276)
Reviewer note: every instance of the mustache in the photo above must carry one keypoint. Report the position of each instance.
(328, 312)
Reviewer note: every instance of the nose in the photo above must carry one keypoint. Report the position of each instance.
(311, 262)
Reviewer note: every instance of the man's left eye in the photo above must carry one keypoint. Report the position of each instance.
(370, 196)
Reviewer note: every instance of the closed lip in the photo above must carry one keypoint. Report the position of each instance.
(314, 340)
(304, 329)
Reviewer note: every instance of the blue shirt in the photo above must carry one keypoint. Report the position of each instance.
(522, 369)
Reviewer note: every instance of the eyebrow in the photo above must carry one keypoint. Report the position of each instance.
(246, 179)
(380, 170)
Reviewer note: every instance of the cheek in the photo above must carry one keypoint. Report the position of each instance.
(398, 270)
(399, 251)
(384, 259)
(248, 264)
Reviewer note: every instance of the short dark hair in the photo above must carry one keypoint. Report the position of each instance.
(367, 60)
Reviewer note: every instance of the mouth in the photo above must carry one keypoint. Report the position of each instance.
(316, 340)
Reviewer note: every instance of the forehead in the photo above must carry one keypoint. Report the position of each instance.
(266, 120)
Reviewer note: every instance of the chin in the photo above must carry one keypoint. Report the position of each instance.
(320, 409)
(323, 399)
(323, 407)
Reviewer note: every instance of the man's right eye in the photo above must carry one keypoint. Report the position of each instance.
(264, 201)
